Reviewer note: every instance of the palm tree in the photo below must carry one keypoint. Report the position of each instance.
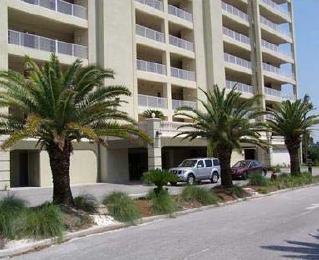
(226, 122)
(291, 120)
(58, 107)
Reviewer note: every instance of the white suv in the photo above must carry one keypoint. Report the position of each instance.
(197, 169)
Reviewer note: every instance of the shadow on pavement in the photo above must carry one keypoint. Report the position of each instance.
(300, 250)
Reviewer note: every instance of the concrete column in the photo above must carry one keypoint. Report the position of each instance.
(155, 151)
(4, 156)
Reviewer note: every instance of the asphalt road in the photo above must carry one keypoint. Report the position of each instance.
(284, 226)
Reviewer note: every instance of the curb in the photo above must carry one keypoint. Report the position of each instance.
(98, 230)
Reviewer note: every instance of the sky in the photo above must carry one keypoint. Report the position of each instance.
(307, 40)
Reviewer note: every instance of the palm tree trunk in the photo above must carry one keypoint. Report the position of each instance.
(60, 165)
(293, 149)
(224, 157)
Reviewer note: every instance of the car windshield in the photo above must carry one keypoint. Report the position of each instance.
(188, 163)
(241, 164)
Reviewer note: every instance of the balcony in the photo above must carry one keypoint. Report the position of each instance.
(183, 103)
(173, 10)
(46, 44)
(278, 71)
(234, 11)
(61, 7)
(236, 60)
(152, 67)
(183, 74)
(241, 87)
(279, 94)
(277, 8)
(236, 36)
(152, 102)
(150, 33)
(274, 48)
(178, 42)
(275, 27)
(159, 5)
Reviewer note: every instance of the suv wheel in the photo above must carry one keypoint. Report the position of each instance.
(214, 178)
(265, 172)
(190, 179)
(173, 183)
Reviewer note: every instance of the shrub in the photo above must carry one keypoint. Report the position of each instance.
(150, 112)
(201, 195)
(87, 203)
(11, 208)
(121, 207)
(162, 202)
(43, 222)
(236, 191)
(258, 180)
(159, 178)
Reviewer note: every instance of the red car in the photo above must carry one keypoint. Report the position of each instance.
(244, 168)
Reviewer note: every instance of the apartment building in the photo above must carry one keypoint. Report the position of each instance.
(163, 51)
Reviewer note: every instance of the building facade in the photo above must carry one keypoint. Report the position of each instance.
(163, 51)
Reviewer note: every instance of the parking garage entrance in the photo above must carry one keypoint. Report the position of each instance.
(138, 163)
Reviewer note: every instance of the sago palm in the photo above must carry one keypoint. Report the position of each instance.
(291, 120)
(226, 122)
(60, 106)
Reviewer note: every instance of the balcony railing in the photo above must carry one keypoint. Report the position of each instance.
(173, 10)
(159, 5)
(238, 61)
(151, 101)
(237, 36)
(183, 103)
(279, 94)
(274, 48)
(278, 71)
(241, 87)
(274, 27)
(61, 7)
(277, 7)
(183, 74)
(46, 44)
(150, 33)
(181, 43)
(151, 67)
(232, 10)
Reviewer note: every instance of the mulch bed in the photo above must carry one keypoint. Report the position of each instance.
(145, 207)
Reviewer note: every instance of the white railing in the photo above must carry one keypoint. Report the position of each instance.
(61, 7)
(279, 94)
(239, 61)
(181, 43)
(183, 74)
(173, 10)
(152, 3)
(277, 7)
(231, 9)
(150, 33)
(278, 71)
(237, 36)
(274, 47)
(183, 103)
(170, 128)
(151, 67)
(270, 117)
(151, 101)
(241, 87)
(274, 27)
(46, 44)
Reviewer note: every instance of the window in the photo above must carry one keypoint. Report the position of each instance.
(200, 163)
(216, 162)
(208, 163)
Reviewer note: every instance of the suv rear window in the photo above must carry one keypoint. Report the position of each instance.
(216, 162)
(208, 163)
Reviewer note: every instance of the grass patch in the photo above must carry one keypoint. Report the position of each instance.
(87, 203)
(201, 195)
(236, 192)
(258, 180)
(162, 202)
(121, 207)
(43, 222)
